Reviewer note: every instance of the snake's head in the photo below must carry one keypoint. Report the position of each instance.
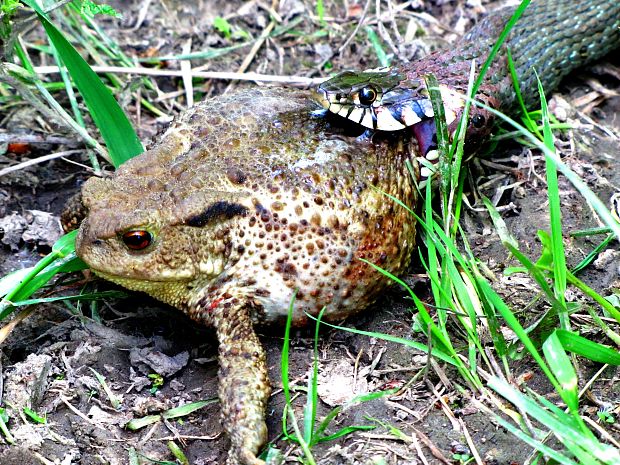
(386, 99)
(376, 98)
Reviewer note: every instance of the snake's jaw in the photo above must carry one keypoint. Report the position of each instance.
(331, 101)
(346, 107)
(321, 97)
(369, 116)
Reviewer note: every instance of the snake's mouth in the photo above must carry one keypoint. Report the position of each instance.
(347, 105)
(377, 114)
(390, 111)
(425, 133)
(322, 97)
(415, 115)
(395, 111)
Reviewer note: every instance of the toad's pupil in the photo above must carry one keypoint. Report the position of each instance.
(137, 240)
(367, 95)
(478, 121)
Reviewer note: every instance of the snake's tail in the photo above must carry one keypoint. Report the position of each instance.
(243, 384)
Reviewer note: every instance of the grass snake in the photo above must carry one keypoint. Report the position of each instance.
(551, 39)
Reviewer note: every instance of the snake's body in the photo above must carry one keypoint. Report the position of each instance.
(551, 39)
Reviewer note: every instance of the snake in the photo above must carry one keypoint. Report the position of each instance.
(551, 39)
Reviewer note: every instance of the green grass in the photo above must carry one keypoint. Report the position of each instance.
(171, 414)
(452, 288)
(116, 130)
(460, 327)
(313, 431)
(458, 285)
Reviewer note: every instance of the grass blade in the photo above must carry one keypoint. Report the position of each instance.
(399, 340)
(594, 351)
(564, 372)
(555, 215)
(499, 42)
(373, 38)
(116, 130)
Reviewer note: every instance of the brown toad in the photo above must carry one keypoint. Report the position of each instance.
(246, 199)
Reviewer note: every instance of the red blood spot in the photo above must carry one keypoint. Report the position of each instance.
(18, 148)
(393, 384)
(213, 305)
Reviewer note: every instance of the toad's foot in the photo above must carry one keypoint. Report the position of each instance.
(243, 381)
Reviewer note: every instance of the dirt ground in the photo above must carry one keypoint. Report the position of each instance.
(47, 362)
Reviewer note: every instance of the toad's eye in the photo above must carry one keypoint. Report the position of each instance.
(137, 240)
(478, 121)
(367, 95)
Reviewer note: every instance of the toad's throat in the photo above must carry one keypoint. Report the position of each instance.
(171, 292)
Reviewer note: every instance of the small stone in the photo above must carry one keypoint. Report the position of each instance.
(606, 258)
(177, 385)
(158, 361)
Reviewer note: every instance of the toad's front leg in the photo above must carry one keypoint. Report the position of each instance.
(243, 380)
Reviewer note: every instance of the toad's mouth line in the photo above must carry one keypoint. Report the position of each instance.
(124, 280)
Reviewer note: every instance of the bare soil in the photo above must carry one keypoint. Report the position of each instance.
(48, 360)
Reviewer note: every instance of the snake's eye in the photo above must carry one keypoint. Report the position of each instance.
(367, 95)
(478, 121)
(138, 239)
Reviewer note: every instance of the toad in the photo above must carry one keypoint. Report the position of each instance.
(245, 201)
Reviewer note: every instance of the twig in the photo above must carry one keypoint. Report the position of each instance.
(604, 433)
(445, 407)
(435, 451)
(470, 442)
(399, 38)
(357, 28)
(80, 414)
(42, 459)
(186, 69)
(11, 325)
(418, 449)
(1, 378)
(185, 436)
(224, 75)
(11, 137)
(142, 14)
(35, 161)
(383, 31)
